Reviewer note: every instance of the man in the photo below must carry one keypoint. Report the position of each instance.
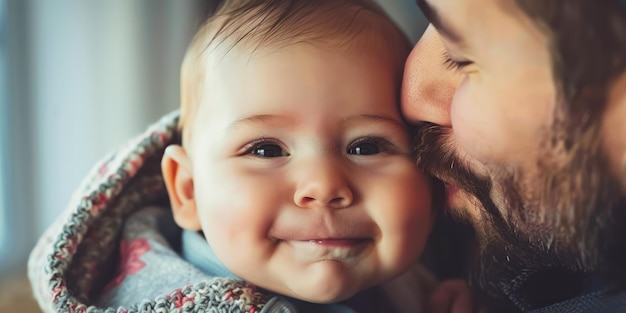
(520, 107)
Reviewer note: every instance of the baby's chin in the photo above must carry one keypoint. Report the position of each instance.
(323, 294)
(332, 282)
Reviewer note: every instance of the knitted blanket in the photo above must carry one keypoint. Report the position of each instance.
(74, 260)
(88, 251)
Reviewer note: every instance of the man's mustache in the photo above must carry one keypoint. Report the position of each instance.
(433, 153)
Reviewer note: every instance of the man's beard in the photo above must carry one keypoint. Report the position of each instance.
(573, 219)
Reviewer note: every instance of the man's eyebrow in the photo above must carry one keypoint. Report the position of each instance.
(434, 18)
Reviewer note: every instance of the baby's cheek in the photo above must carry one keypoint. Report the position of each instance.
(404, 216)
(417, 215)
(223, 225)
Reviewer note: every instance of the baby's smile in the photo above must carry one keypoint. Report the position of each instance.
(345, 250)
(344, 237)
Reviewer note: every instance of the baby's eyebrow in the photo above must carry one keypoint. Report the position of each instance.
(373, 118)
(267, 119)
(287, 122)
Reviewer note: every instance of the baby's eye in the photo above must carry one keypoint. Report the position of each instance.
(267, 150)
(363, 148)
(371, 145)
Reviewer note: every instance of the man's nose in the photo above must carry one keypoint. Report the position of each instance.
(323, 184)
(428, 86)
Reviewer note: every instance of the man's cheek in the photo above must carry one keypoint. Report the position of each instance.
(614, 127)
(472, 124)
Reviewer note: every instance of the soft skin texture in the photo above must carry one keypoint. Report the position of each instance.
(325, 218)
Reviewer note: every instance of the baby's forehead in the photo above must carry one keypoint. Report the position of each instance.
(365, 39)
(364, 43)
(365, 31)
(275, 21)
(350, 27)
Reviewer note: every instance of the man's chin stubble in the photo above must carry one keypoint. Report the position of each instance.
(531, 236)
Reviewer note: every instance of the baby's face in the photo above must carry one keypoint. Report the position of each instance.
(302, 178)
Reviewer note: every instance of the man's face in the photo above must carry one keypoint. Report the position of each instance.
(485, 75)
(302, 175)
(481, 78)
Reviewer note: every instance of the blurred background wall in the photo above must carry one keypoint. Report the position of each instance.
(77, 79)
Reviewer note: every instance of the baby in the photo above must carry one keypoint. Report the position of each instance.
(295, 160)
(292, 189)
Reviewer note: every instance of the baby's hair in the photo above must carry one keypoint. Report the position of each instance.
(255, 24)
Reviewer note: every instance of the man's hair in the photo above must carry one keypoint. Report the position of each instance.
(256, 24)
(588, 45)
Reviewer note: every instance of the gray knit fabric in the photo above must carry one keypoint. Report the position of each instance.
(110, 252)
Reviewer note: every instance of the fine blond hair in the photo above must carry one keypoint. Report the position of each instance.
(255, 24)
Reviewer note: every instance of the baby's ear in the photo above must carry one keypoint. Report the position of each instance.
(178, 176)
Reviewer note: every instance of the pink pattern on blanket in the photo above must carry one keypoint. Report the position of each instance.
(130, 260)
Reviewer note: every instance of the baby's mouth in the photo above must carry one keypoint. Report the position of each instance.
(330, 249)
(339, 242)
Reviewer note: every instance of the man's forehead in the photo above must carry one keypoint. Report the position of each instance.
(455, 19)
(435, 18)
